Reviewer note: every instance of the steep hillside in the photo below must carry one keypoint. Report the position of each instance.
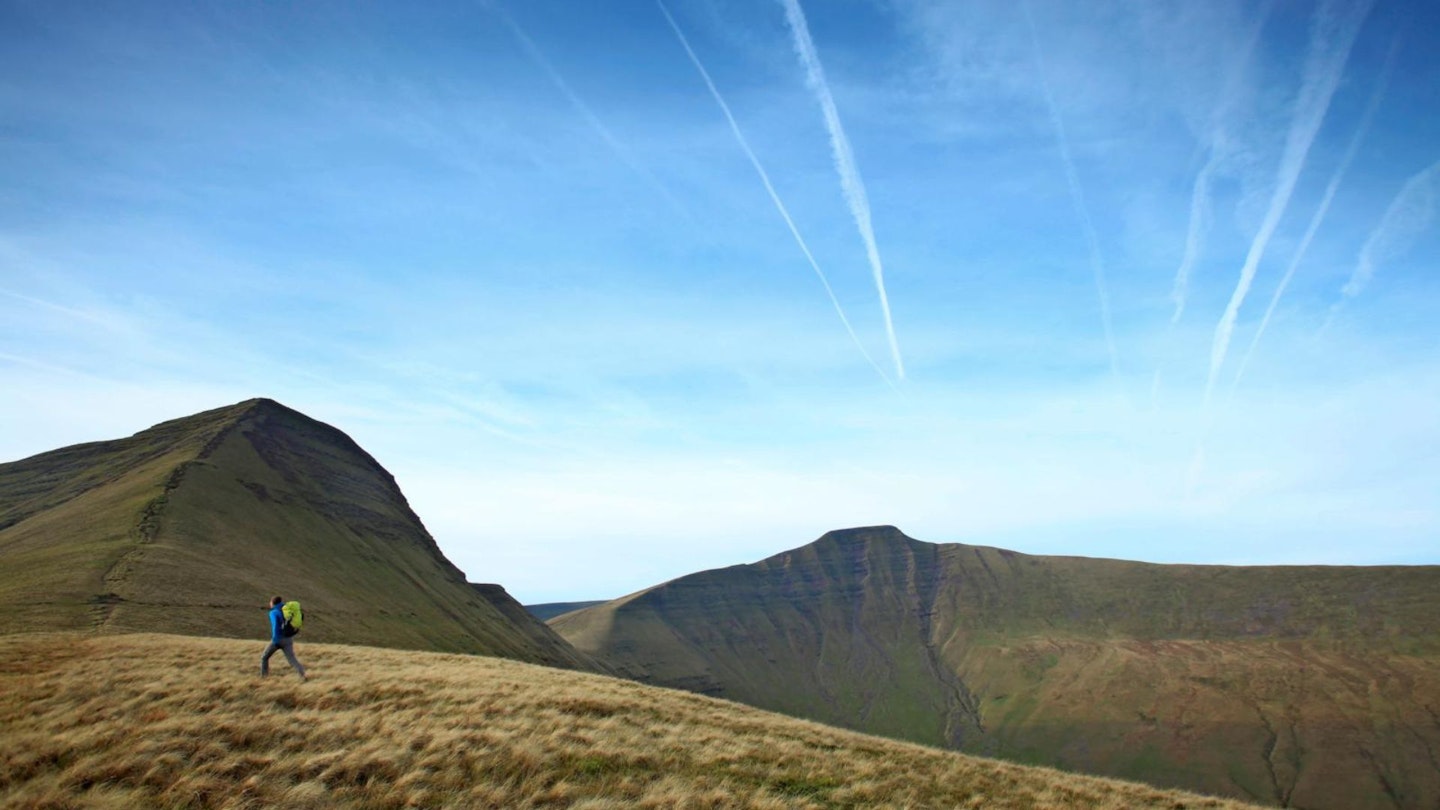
(191, 526)
(146, 721)
(1307, 686)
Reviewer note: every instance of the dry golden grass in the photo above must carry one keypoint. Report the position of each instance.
(169, 721)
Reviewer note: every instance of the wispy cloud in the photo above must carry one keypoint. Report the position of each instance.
(1219, 147)
(1077, 194)
(1322, 209)
(537, 56)
(845, 165)
(1407, 216)
(770, 188)
(70, 312)
(1200, 216)
(1332, 33)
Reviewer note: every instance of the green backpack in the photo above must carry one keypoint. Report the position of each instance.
(293, 618)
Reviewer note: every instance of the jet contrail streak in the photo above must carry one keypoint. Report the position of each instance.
(770, 189)
(1077, 196)
(1361, 130)
(1195, 233)
(845, 165)
(1407, 216)
(78, 314)
(537, 56)
(1200, 212)
(1331, 37)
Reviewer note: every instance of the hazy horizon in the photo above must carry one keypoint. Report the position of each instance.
(623, 292)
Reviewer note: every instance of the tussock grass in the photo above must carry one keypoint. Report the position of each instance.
(140, 721)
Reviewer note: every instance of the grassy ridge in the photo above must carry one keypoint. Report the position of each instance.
(191, 526)
(1315, 686)
(144, 721)
(70, 517)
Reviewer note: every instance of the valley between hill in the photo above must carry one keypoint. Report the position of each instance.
(143, 721)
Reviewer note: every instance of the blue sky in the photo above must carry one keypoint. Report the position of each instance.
(1160, 277)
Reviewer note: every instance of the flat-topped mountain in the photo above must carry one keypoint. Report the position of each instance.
(192, 525)
(1306, 686)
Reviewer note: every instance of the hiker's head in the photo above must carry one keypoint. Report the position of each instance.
(277, 600)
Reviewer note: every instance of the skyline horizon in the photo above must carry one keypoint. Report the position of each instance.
(619, 293)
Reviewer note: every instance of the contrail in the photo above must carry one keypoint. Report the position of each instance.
(1200, 212)
(845, 165)
(1407, 216)
(1361, 130)
(1195, 234)
(78, 314)
(1077, 196)
(769, 188)
(537, 56)
(1336, 25)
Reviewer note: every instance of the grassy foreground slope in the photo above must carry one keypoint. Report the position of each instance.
(1314, 687)
(145, 721)
(191, 526)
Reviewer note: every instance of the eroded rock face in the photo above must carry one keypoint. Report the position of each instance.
(1308, 686)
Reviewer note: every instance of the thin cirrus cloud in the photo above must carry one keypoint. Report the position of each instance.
(1077, 194)
(1219, 147)
(1409, 215)
(537, 56)
(1332, 34)
(1361, 130)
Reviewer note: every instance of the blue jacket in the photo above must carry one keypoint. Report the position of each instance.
(277, 624)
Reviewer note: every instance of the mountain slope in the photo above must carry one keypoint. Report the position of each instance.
(144, 721)
(190, 527)
(1305, 686)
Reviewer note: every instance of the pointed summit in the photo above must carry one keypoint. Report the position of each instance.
(192, 525)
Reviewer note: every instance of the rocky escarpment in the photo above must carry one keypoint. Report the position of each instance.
(1302, 685)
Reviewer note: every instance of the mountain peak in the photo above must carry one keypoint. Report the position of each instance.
(864, 535)
(263, 405)
(265, 408)
(188, 525)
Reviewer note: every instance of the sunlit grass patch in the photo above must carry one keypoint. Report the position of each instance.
(164, 721)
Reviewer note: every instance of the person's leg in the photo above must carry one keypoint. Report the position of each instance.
(265, 659)
(288, 646)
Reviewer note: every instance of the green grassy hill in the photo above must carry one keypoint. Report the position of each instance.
(141, 721)
(191, 526)
(1312, 687)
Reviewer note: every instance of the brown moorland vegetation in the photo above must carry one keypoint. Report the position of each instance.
(1301, 686)
(131, 721)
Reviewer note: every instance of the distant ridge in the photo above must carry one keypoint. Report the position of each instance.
(1306, 686)
(190, 526)
(549, 610)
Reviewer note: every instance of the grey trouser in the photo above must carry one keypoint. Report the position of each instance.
(285, 645)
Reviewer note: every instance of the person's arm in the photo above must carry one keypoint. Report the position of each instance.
(277, 621)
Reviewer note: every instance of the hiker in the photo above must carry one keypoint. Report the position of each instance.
(279, 640)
